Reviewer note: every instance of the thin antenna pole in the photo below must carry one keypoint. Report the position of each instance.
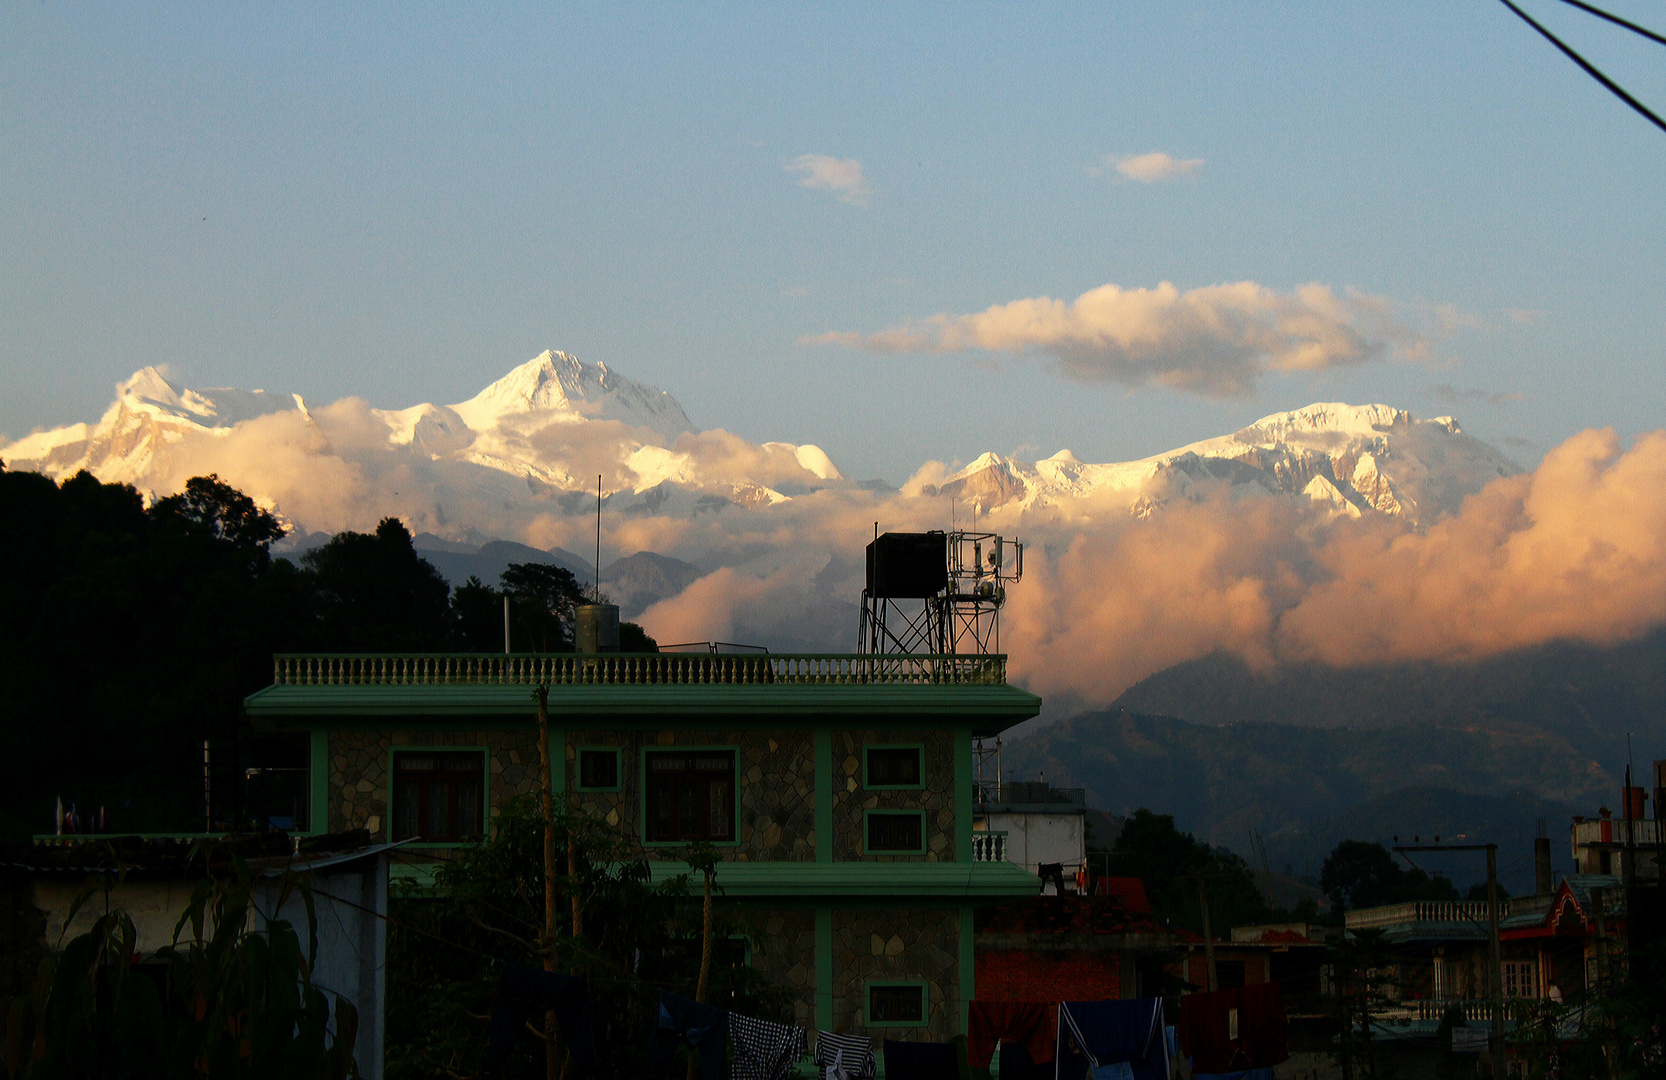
(598, 595)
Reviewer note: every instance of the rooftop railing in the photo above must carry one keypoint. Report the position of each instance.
(1423, 911)
(635, 669)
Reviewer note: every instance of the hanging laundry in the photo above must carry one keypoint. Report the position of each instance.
(703, 1028)
(1033, 1024)
(763, 1050)
(844, 1057)
(1112, 1040)
(525, 993)
(921, 1060)
(1234, 1030)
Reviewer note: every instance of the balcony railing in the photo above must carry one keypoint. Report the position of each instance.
(1424, 911)
(635, 669)
(1029, 792)
(989, 846)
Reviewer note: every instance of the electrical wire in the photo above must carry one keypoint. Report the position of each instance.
(1616, 20)
(1613, 87)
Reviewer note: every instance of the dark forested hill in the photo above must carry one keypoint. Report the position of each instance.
(1589, 695)
(1304, 788)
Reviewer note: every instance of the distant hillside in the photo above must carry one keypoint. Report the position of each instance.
(1303, 788)
(1588, 695)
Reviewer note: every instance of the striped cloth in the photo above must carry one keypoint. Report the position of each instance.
(844, 1057)
(763, 1050)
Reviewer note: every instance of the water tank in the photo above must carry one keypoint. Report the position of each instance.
(597, 629)
(908, 565)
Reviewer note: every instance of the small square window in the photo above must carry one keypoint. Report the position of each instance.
(896, 1004)
(895, 832)
(438, 796)
(598, 770)
(894, 766)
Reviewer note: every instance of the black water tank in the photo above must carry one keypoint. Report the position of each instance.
(908, 565)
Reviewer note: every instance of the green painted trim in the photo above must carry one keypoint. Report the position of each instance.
(862, 881)
(824, 969)
(823, 739)
(642, 795)
(996, 706)
(868, 986)
(578, 765)
(319, 779)
(968, 968)
(416, 877)
(485, 794)
(868, 849)
(867, 783)
(963, 794)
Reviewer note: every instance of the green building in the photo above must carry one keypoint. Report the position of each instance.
(839, 789)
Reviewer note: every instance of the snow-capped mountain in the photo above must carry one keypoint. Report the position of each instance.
(1352, 459)
(528, 448)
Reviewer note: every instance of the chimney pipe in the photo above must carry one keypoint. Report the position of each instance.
(1541, 864)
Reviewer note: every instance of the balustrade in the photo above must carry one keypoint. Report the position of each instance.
(989, 846)
(634, 669)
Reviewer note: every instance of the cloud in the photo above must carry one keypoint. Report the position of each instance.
(1216, 340)
(1451, 395)
(1524, 316)
(1150, 168)
(1574, 550)
(842, 176)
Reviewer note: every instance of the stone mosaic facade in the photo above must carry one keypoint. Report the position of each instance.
(851, 798)
(775, 773)
(902, 944)
(359, 763)
(784, 953)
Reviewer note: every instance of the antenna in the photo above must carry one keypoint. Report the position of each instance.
(598, 594)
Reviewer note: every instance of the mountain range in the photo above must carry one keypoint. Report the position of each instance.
(1337, 610)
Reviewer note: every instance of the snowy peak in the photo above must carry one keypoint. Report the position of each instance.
(148, 392)
(558, 382)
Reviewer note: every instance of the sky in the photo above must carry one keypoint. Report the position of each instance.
(790, 216)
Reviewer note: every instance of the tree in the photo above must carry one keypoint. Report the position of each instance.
(376, 594)
(1169, 862)
(233, 999)
(1360, 874)
(542, 599)
(488, 904)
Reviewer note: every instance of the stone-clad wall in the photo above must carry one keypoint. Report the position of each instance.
(359, 770)
(900, 944)
(784, 953)
(851, 798)
(774, 771)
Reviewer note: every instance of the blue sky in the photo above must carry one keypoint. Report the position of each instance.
(403, 202)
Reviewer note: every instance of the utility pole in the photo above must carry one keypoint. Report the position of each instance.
(1494, 948)
(546, 784)
(1208, 937)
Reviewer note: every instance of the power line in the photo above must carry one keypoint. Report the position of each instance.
(1616, 20)
(1613, 87)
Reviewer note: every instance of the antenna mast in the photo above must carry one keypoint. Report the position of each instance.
(597, 595)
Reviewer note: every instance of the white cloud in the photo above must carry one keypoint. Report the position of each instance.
(1216, 340)
(1152, 168)
(842, 176)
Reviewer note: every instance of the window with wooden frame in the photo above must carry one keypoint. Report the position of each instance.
(896, 1004)
(438, 795)
(598, 769)
(902, 831)
(895, 767)
(690, 795)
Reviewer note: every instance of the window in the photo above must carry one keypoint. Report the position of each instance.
(894, 767)
(902, 831)
(691, 795)
(598, 770)
(1519, 981)
(438, 795)
(896, 1004)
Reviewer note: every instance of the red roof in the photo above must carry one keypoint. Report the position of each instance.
(1130, 890)
(1066, 915)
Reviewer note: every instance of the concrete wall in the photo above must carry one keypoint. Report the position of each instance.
(1036, 838)
(901, 944)
(1035, 975)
